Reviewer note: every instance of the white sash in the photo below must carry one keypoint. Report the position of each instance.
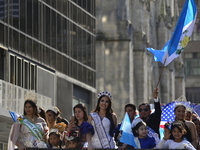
(32, 127)
(100, 130)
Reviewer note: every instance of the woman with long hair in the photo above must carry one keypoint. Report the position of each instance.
(30, 130)
(103, 120)
(78, 126)
(52, 114)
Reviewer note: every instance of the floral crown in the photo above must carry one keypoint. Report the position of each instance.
(31, 95)
(72, 135)
(106, 93)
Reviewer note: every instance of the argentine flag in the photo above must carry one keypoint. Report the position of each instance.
(127, 134)
(14, 115)
(180, 37)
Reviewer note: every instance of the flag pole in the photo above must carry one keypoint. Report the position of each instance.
(161, 73)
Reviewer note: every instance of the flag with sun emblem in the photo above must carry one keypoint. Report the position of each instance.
(180, 37)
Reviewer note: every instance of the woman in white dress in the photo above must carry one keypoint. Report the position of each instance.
(29, 130)
(103, 120)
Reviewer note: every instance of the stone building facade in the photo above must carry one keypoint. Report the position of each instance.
(191, 59)
(124, 29)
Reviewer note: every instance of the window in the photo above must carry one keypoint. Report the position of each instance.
(193, 95)
(80, 96)
(192, 64)
(26, 75)
(19, 72)
(3, 146)
(23, 73)
(12, 69)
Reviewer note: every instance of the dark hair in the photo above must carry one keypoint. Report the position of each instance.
(59, 137)
(109, 111)
(55, 114)
(180, 127)
(42, 114)
(35, 110)
(145, 104)
(60, 119)
(75, 140)
(130, 105)
(83, 108)
(134, 129)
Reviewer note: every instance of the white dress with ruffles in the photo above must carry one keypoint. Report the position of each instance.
(95, 138)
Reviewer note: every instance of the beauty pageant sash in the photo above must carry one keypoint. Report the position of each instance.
(32, 127)
(100, 130)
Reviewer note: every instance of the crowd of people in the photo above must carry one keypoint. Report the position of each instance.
(39, 128)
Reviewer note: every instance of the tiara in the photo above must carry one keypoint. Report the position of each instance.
(54, 109)
(106, 93)
(136, 121)
(31, 95)
(53, 130)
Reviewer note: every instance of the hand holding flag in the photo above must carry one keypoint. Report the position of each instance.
(14, 115)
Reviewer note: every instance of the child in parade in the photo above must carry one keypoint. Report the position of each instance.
(180, 113)
(72, 140)
(142, 140)
(55, 141)
(174, 137)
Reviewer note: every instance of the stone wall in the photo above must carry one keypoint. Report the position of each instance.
(124, 67)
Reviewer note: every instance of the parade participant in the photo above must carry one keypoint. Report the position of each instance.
(188, 115)
(176, 138)
(73, 140)
(142, 140)
(52, 114)
(54, 140)
(180, 113)
(29, 130)
(78, 123)
(151, 119)
(103, 120)
(196, 121)
(131, 110)
(42, 114)
(64, 132)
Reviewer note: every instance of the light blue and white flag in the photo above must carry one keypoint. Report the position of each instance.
(14, 115)
(127, 134)
(180, 37)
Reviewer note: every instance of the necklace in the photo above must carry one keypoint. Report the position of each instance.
(30, 118)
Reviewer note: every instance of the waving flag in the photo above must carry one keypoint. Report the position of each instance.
(196, 109)
(180, 37)
(14, 115)
(127, 135)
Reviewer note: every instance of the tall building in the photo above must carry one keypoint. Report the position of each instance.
(124, 29)
(47, 46)
(191, 57)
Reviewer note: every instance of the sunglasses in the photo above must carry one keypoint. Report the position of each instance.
(145, 110)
